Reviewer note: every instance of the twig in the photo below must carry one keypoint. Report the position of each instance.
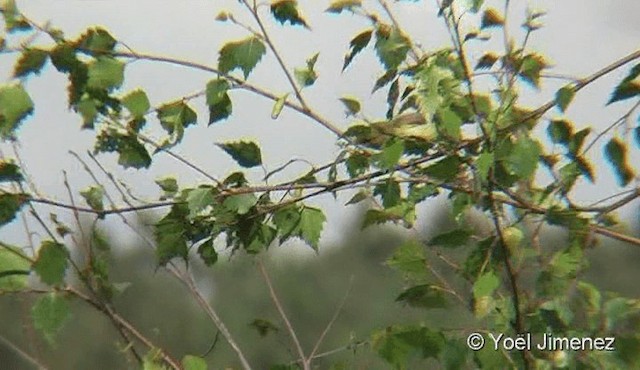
(238, 82)
(283, 315)
(265, 35)
(213, 315)
(414, 50)
(582, 83)
(24, 355)
(337, 312)
(123, 323)
(76, 216)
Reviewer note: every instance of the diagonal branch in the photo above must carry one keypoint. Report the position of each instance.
(332, 321)
(283, 315)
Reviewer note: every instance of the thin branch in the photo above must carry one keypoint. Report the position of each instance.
(518, 325)
(126, 325)
(238, 82)
(414, 50)
(283, 315)
(337, 312)
(582, 83)
(265, 36)
(21, 353)
(76, 216)
(103, 212)
(618, 122)
(213, 315)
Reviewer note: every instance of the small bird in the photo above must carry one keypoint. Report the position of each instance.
(411, 125)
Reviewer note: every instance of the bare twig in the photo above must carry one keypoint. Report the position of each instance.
(337, 312)
(213, 315)
(21, 353)
(283, 315)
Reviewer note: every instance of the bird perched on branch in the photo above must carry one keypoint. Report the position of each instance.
(411, 125)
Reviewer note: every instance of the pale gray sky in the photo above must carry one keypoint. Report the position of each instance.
(579, 37)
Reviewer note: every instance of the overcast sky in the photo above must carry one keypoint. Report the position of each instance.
(579, 38)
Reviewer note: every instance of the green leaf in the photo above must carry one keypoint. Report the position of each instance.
(190, 362)
(617, 309)
(449, 124)
(9, 171)
(446, 169)
(338, 6)
(278, 106)
(208, 253)
(51, 263)
(484, 162)
(96, 41)
(174, 118)
(423, 296)
(49, 314)
(409, 259)
(170, 233)
(88, 109)
(357, 164)
(14, 268)
(10, 204)
(352, 105)
(132, 152)
(15, 105)
(169, 185)
(246, 153)
(94, 196)
(243, 54)
(391, 154)
(287, 221)
(395, 344)
(358, 197)
(63, 57)
(523, 160)
(30, 61)
(560, 131)
(137, 103)
(566, 264)
(307, 76)
(451, 239)
(389, 191)
(287, 11)
(628, 88)
(105, 73)
(240, 203)
(391, 46)
(218, 100)
(487, 61)
(616, 152)
(153, 361)
(564, 96)
(491, 18)
(384, 80)
(531, 66)
(311, 224)
(455, 354)
(356, 45)
(13, 19)
(485, 285)
(198, 199)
